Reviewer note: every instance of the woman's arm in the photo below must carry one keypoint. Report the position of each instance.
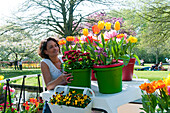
(47, 77)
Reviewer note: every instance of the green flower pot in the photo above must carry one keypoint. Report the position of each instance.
(109, 79)
(81, 77)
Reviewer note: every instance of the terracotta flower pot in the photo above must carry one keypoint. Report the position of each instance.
(93, 77)
(127, 73)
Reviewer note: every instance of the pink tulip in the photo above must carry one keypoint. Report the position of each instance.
(76, 40)
(168, 87)
(12, 90)
(4, 87)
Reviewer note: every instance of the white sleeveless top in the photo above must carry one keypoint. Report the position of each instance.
(54, 72)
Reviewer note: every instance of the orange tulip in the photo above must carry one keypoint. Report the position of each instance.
(117, 25)
(160, 84)
(120, 35)
(95, 29)
(149, 88)
(37, 104)
(70, 38)
(143, 86)
(62, 42)
(101, 25)
(85, 32)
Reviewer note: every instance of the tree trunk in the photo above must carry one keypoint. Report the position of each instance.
(157, 55)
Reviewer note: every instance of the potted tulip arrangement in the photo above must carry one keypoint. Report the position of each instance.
(156, 96)
(127, 73)
(107, 49)
(79, 64)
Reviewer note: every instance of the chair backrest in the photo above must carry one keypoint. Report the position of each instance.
(43, 83)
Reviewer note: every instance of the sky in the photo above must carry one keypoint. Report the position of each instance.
(7, 7)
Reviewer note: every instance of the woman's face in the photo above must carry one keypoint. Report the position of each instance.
(52, 49)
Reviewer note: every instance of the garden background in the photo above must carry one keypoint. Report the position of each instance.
(22, 30)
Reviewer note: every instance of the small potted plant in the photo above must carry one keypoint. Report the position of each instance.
(79, 64)
(127, 73)
(156, 96)
(71, 102)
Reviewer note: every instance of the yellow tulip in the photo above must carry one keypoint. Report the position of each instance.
(117, 25)
(108, 25)
(132, 39)
(1, 77)
(85, 32)
(101, 25)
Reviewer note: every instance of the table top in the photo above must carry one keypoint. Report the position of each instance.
(110, 102)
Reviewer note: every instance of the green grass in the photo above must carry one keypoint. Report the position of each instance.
(9, 73)
(151, 75)
(32, 81)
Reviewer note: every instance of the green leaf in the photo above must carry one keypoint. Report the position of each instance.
(137, 58)
(125, 59)
(103, 41)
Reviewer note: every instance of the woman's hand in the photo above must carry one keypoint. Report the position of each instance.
(67, 77)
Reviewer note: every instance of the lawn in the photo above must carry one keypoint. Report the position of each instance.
(152, 75)
(9, 73)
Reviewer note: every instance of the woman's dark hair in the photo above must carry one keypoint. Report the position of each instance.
(43, 46)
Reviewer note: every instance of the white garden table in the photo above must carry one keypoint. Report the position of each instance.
(110, 102)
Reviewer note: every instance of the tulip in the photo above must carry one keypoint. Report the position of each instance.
(120, 36)
(95, 29)
(85, 32)
(132, 39)
(108, 25)
(12, 90)
(90, 38)
(76, 40)
(62, 42)
(101, 25)
(117, 26)
(27, 107)
(70, 38)
(1, 77)
(168, 87)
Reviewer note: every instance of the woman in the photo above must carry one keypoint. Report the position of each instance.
(51, 66)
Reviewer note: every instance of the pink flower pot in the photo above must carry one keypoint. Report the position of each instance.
(127, 73)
